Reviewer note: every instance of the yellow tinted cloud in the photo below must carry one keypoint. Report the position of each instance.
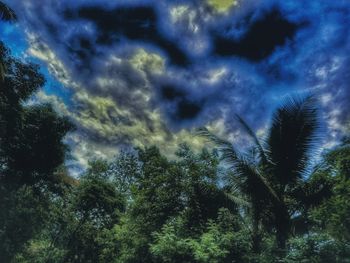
(222, 6)
(143, 60)
(103, 123)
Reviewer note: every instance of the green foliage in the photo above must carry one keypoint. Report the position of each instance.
(170, 247)
(22, 214)
(6, 14)
(212, 245)
(130, 242)
(334, 213)
(97, 201)
(95, 207)
(125, 171)
(39, 251)
(221, 241)
(317, 248)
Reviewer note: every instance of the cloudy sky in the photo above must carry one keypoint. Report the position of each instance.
(132, 72)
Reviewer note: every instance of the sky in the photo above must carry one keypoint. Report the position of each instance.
(139, 73)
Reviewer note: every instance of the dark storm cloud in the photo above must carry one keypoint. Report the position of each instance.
(181, 106)
(171, 93)
(129, 23)
(264, 35)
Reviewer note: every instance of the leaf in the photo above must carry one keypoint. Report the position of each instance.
(6, 13)
(238, 200)
(254, 137)
(291, 138)
(253, 180)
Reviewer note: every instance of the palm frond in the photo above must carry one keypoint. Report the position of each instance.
(253, 183)
(238, 200)
(6, 13)
(291, 138)
(250, 132)
(220, 143)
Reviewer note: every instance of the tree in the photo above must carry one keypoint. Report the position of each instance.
(96, 206)
(333, 215)
(6, 14)
(30, 136)
(222, 240)
(202, 196)
(158, 191)
(23, 212)
(31, 149)
(125, 171)
(163, 190)
(271, 180)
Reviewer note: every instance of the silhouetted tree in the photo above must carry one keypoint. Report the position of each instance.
(6, 14)
(271, 180)
(31, 149)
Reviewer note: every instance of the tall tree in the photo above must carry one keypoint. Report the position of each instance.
(270, 181)
(30, 136)
(31, 149)
(96, 206)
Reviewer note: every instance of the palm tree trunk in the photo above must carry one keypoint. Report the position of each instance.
(281, 238)
(282, 229)
(2, 70)
(256, 239)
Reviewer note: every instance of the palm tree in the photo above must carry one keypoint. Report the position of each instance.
(6, 14)
(273, 180)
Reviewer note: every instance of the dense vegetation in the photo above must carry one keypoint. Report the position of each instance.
(267, 204)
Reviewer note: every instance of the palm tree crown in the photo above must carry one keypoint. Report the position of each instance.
(272, 181)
